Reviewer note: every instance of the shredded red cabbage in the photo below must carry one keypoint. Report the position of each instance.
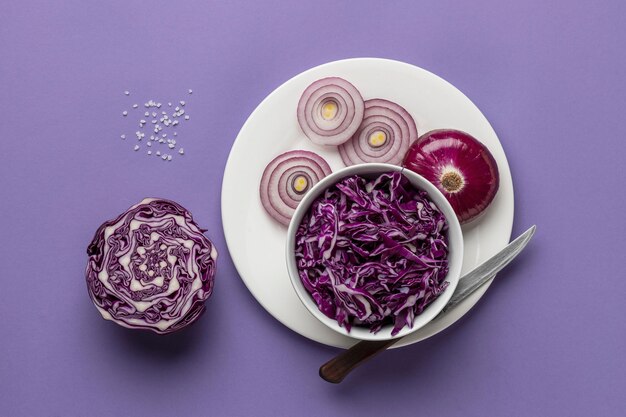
(373, 252)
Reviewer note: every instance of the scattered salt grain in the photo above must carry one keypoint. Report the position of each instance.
(164, 120)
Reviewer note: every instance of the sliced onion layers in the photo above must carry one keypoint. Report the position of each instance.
(287, 179)
(330, 111)
(151, 268)
(460, 166)
(385, 134)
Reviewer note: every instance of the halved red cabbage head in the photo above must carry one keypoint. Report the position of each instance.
(151, 268)
(373, 252)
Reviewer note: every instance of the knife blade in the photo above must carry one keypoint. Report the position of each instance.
(337, 368)
(488, 269)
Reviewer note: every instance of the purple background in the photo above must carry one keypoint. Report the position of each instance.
(547, 339)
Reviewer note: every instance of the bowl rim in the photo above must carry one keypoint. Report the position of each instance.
(455, 243)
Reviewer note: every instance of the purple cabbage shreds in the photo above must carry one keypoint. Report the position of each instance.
(373, 252)
(151, 268)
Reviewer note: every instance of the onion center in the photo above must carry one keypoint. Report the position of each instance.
(300, 184)
(452, 181)
(329, 110)
(377, 139)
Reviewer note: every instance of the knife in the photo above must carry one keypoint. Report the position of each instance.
(337, 368)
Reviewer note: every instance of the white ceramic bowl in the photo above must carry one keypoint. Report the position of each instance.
(455, 246)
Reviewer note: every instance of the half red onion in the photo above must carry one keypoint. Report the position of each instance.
(287, 179)
(330, 110)
(460, 166)
(385, 134)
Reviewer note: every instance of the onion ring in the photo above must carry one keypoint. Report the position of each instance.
(286, 180)
(385, 135)
(330, 111)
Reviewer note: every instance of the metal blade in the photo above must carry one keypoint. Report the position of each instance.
(487, 270)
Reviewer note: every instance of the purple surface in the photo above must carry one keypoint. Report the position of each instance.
(548, 339)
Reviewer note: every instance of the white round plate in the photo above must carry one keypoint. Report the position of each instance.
(257, 243)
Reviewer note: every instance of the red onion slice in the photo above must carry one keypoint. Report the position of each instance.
(286, 180)
(385, 135)
(330, 110)
(460, 166)
(151, 268)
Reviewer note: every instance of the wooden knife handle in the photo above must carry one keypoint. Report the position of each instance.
(336, 369)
